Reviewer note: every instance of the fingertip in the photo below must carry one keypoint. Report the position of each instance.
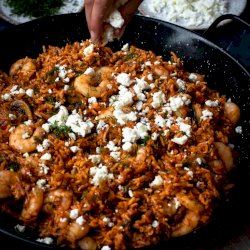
(94, 38)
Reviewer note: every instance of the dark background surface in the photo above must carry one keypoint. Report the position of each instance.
(235, 38)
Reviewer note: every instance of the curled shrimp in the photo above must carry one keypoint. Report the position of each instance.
(161, 71)
(192, 217)
(232, 112)
(87, 243)
(106, 113)
(225, 153)
(22, 108)
(32, 204)
(84, 84)
(58, 198)
(20, 143)
(26, 66)
(76, 231)
(10, 184)
(141, 155)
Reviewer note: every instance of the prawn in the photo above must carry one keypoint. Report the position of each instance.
(10, 184)
(76, 231)
(84, 84)
(232, 112)
(160, 70)
(25, 66)
(20, 143)
(32, 204)
(225, 153)
(58, 198)
(106, 113)
(87, 243)
(192, 217)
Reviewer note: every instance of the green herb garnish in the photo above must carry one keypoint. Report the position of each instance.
(130, 56)
(50, 100)
(14, 167)
(35, 8)
(144, 140)
(60, 131)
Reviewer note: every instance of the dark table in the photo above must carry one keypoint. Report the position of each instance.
(235, 38)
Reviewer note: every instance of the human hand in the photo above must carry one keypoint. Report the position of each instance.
(97, 12)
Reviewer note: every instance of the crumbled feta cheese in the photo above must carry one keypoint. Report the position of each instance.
(95, 158)
(127, 146)
(238, 129)
(206, 114)
(46, 157)
(212, 103)
(105, 248)
(155, 223)
(157, 181)
(30, 92)
(80, 220)
(41, 183)
(158, 99)
(124, 79)
(73, 214)
(46, 240)
(115, 19)
(125, 47)
(100, 174)
(89, 50)
(20, 228)
(180, 140)
(74, 149)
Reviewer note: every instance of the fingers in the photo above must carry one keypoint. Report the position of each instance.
(127, 12)
(96, 12)
(88, 5)
(129, 9)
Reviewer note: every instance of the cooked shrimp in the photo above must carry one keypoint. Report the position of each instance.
(232, 112)
(87, 243)
(77, 231)
(141, 154)
(10, 184)
(225, 153)
(20, 143)
(192, 217)
(217, 166)
(57, 199)
(161, 71)
(84, 84)
(106, 113)
(32, 205)
(22, 108)
(26, 66)
(197, 111)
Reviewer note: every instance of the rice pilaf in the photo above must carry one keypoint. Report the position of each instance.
(112, 150)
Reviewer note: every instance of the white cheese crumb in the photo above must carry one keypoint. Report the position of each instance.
(73, 214)
(46, 157)
(20, 228)
(238, 129)
(89, 50)
(30, 92)
(46, 240)
(155, 223)
(157, 181)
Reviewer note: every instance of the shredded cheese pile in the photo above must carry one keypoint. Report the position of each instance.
(188, 13)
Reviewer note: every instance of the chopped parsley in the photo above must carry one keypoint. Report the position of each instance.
(13, 166)
(60, 131)
(130, 56)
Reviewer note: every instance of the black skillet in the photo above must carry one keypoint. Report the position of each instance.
(230, 226)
